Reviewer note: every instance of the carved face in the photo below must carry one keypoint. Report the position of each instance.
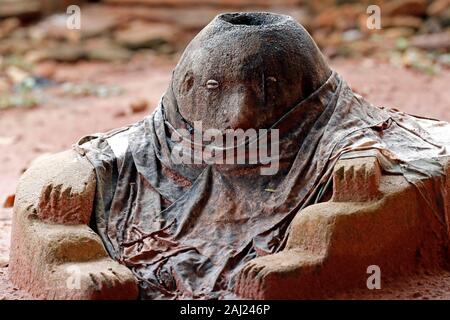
(246, 70)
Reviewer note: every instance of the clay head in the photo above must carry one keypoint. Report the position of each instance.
(245, 70)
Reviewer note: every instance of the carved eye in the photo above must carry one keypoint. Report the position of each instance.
(271, 79)
(188, 82)
(212, 84)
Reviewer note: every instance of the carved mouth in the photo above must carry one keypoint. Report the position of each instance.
(253, 18)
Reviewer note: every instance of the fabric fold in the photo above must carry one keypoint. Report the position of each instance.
(186, 230)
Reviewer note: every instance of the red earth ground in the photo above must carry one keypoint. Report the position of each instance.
(62, 119)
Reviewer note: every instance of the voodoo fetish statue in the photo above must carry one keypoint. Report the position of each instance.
(246, 135)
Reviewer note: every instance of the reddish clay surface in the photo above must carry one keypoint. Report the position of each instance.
(63, 119)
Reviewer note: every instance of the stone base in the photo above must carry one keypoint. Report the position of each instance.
(373, 219)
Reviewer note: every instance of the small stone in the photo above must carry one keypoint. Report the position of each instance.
(45, 70)
(436, 8)
(400, 32)
(120, 114)
(437, 41)
(41, 148)
(402, 21)
(6, 141)
(351, 35)
(106, 50)
(139, 105)
(212, 84)
(416, 8)
(340, 18)
(16, 75)
(140, 34)
(3, 262)
(4, 85)
(92, 26)
(7, 26)
(63, 53)
(27, 9)
(9, 202)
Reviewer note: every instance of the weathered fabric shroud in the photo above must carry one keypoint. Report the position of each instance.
(185, 231)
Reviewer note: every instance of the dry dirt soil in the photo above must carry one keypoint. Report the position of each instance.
(62, 119)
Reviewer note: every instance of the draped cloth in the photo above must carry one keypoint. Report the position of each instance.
(186, 230)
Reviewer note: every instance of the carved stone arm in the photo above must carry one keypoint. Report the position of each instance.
(54, 253)
(373, 219)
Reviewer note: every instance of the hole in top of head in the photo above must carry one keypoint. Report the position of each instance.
(252, 18)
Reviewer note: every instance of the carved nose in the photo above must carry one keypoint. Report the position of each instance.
(243, 108)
